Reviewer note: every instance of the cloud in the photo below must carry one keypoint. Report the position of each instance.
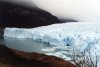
(81, 10)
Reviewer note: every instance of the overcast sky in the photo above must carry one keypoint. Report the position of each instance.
(81, 10)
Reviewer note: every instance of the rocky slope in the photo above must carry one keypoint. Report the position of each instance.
(15, 58)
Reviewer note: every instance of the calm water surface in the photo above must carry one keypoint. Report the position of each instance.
(27, 45)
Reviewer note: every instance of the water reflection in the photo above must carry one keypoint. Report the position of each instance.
(27, 45)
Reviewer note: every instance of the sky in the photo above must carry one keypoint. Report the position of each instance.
(80, 10)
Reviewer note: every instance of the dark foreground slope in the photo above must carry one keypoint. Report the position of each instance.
(14, 58)
(13, 15)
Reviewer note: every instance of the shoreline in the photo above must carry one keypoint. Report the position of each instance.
(15, 58)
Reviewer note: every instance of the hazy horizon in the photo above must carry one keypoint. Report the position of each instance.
(80, 10)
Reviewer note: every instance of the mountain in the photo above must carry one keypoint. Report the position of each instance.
(16, 15)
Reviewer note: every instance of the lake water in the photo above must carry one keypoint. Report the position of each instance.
(27, 45)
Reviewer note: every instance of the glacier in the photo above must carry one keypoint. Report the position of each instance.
(65, 37)
(74, 34)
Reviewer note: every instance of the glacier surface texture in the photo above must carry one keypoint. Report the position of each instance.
(66, 36)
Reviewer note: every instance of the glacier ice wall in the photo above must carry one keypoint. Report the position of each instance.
(80, 36)
(74, 34)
